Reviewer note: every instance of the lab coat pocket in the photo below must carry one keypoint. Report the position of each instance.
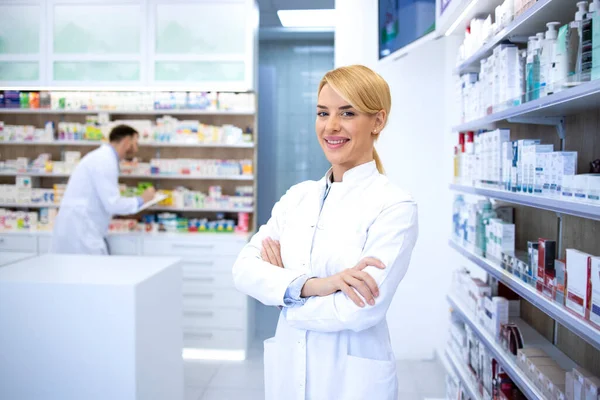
(272, 378)
(369, 379)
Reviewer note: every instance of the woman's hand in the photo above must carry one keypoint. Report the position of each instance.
(349, 281)
(271, 252)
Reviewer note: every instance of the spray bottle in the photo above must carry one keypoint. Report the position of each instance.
(530, 78)
(537, 84)
(547, 58)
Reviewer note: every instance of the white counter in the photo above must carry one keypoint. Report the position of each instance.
(9, 257)
(91, 327)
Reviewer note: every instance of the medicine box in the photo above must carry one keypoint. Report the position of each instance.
(560, 280)
(578, 281)
(534, 165)
(534, 364)
(592, 388)
(506, 158)
(547, 375)
(579, 377)
(524, 354)
(595, 284)
(521, 175)
(24, 182)
(593, 189)
(563, 163)
(546, 257)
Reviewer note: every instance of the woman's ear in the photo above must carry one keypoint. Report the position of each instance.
(380, 119)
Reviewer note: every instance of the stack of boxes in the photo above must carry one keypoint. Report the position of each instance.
(507, 70)
(500, 238)
(555, 382)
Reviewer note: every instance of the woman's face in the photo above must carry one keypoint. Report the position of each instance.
(345, 134)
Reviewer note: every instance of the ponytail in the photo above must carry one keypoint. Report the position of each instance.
(378, 162)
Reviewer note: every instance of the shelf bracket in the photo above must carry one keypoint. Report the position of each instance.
(558, 122)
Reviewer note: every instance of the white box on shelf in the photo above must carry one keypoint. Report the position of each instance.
(578, 282)
(533, 165)
(563, 163)
(520, 165)
(114, 323)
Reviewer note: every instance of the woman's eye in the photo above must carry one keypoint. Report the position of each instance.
(347, 114)
(322, 114)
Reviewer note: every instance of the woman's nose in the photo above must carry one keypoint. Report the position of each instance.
(333, 124)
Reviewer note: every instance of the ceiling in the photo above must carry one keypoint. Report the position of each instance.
(269, 8)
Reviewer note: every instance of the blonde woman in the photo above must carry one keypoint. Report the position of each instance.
(332, 256)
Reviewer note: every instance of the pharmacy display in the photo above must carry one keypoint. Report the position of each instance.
(530, 327)
(489, 342)
(554, 60)
(209, 189)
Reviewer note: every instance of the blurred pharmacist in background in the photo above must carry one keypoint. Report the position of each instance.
(92, 197)
(333, 254)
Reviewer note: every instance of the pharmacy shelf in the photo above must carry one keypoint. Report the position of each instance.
(544, 203)
(155, 208)
(174, 235)
(461, 17)
(531, 338)
(579, 326)
(35, 174)
(192, 209)
(28, 205)
(138, 176)
(463, 374)
(190, 177)
(92, 143)
(527, 24)
(129, 112)
(570, 101)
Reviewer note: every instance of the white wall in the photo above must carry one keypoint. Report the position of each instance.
(416, 150)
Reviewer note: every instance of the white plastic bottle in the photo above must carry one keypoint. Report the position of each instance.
(529, 72)
(547, 59)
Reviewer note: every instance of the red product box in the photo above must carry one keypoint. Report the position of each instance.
(546, 257)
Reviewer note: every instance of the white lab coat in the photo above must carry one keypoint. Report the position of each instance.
(91, 199)
(329, 348)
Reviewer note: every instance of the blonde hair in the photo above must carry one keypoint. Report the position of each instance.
(365, 90)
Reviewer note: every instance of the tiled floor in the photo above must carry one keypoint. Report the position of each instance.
(418, 380)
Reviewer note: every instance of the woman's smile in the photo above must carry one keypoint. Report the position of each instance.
(335, 142)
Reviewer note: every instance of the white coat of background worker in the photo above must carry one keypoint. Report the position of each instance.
(92, 197)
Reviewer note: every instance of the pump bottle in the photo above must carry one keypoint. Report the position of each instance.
(547, 59)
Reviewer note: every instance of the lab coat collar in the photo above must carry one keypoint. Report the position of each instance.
(354, 175)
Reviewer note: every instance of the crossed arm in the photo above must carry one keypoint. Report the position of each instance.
(331, 303)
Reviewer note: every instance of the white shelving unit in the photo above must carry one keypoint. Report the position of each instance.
(527, 24)
(574, 208)
(551, 110)
(141, 144)
(531, 338)
(126, 112)
(138, 176)
(577, 99)
(155, 208)
(463, 374)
